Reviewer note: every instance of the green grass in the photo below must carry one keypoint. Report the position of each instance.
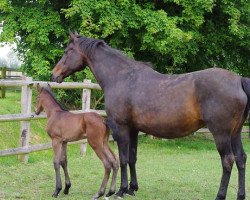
(181, 169)
(173, 169)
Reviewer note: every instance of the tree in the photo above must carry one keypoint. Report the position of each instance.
(3, 62)
(175, 35)
(12, 60)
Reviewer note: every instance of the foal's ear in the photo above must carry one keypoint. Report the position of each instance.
(49, 86)
(38, 87)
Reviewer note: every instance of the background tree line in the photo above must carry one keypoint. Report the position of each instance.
(176, 36)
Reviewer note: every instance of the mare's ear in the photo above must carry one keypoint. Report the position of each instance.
(76, 34)
(100, 43)
(38, 87)
(72, 37)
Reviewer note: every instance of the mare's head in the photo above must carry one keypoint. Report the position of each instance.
(72, 60)
(76, 56)
(43, 93)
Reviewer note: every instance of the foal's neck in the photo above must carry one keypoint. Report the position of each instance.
(51, 107)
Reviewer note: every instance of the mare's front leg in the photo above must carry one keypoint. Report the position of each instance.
(121, 135)
(133, 186)
(64, 164)
(57, 146)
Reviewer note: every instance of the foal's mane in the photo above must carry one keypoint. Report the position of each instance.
(53, 98)
(89, 45)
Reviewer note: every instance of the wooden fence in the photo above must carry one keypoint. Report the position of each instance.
(9, 74)
(26, 115)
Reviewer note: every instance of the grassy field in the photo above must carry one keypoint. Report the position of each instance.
(182, 169)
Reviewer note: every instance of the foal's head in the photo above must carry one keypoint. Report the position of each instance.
(42, 95)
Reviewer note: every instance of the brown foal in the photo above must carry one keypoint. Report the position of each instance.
(64, 126)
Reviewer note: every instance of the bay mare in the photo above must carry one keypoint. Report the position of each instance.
(137, 98)
(64, 126)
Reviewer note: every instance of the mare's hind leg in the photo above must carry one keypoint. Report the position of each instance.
(107, 165)
(57, 146)
(64, 164)
(223, 144)
(240, 159)
(133, 186)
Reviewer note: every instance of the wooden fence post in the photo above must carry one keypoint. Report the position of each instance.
(26, 98)
(3, 76)
(86, 95)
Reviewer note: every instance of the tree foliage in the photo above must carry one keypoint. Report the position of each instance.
(175, 35)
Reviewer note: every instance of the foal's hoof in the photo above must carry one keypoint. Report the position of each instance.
(97, 195)
(117, 197)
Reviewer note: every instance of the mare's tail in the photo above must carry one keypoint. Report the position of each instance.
(246, 87)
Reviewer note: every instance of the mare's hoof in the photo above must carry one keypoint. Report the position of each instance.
(66, 191)
(130, 192)
(241, 197)
(56, 192)
(110, 193)
(121, 192)
(220, 198)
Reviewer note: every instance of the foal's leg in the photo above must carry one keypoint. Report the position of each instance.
(57, 146)
(223, 144)
(133, 186)
(99, 152)
(115, 166)
(64, 164)
(240, 158)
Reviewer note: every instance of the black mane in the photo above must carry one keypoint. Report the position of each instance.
(89, 45)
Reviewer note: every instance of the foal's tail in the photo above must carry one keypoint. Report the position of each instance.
(246, 87)
(107, 133)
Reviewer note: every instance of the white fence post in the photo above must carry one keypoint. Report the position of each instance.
(86, 95)
(26, 98)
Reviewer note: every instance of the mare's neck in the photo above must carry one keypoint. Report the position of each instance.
(51, 107)
(106, 65)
